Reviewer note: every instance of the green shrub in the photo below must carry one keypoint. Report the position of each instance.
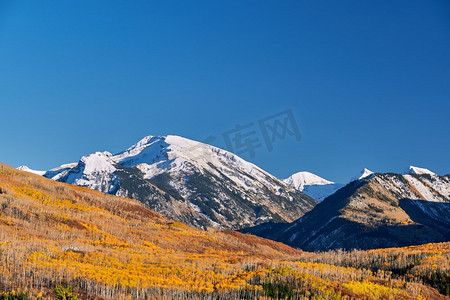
(14, 296)
(439, 280)
(278, 290)
(62, 293)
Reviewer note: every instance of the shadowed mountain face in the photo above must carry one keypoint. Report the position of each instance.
(431, 214)
(384, 210)
(191, 182)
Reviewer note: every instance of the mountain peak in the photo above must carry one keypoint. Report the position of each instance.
(26, 169)
(169, 139)
(301, 179)
(312, 185)
(23, 168)
(190, 181)
(418, 171)
(365, 173)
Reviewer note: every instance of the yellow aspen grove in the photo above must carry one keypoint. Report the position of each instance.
(57, 239)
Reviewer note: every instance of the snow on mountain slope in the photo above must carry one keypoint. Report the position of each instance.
(26, 169)
(418, 171)
(177, 155)
(312, 185)
(95, 170)
(430, 186)
(60, 171)
(207, 186)
(317, 187)
(433, 188)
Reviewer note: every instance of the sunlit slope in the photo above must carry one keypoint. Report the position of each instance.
(108, 247)
(75, 232)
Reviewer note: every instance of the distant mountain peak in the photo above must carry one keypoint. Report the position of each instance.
(365, 173)
(312, 185)
(301, 179)
(26, 169)
(418, 171)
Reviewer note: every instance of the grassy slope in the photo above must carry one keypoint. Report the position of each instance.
(111, 247)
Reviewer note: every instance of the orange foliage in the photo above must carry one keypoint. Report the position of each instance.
(113, 247)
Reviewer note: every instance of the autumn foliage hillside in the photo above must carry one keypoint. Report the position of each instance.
(106, 247)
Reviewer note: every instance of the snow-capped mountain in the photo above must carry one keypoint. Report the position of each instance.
(189, 181)
(301, 179)
(428, 185)
(312, 185)
(365, 173)
(378, 210)
(317, 187)
(26, 169)
(418, 171)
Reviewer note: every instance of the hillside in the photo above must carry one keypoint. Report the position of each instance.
(191, 182)
(108, 247)
(382, 210)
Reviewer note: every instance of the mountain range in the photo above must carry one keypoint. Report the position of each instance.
(204, 186)
(188, 181)
(376, 211)
(61, 241)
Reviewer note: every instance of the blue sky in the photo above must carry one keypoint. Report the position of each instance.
(368, 81)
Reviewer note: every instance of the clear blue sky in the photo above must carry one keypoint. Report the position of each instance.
(368, 81)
